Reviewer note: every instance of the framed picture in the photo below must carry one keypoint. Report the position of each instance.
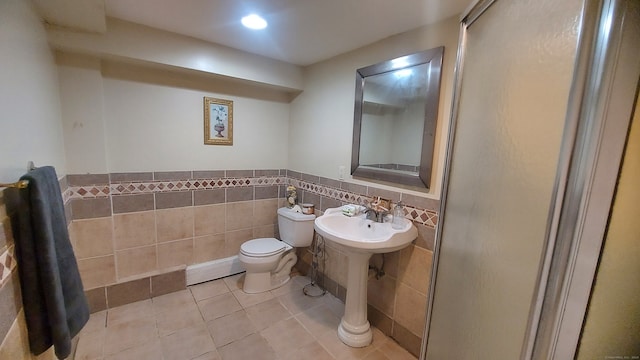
(218, 121)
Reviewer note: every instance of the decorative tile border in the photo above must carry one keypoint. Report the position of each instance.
(422, 216)
(7, 265)
(426, 217)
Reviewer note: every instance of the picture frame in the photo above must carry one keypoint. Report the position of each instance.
(218, 121)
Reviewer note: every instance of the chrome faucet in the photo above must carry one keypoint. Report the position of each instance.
(377, 216)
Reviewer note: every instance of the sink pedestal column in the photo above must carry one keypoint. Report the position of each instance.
(354, 329)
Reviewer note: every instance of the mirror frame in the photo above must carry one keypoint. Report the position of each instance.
(423, 178)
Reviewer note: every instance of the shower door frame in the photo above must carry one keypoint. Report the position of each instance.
(591, 151)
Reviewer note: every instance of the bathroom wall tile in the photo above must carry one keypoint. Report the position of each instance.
(426, 236)
(130, 177)
(294, 174)
(169, 282)
(209, 219)
(239, 173)
(134, 229)
(97, 272)
(354, 188)
(265, 212)
(310, 198)
(410, 309)
(336, 264)
(173, 199)
(378, 319)
(326, 203)
(381, 294)
(171, 175)
(415, 268)
(310, 178)
(10, 305)
(92, 237)
(394, 196)
(208, 247)
(90, 208)
(421, 202)
(97, 299)
(87, 179)
(266, 192)
(128, 292)
(391, 261)
(239, 194)
(5, 232)
(406, 339)
(234, 239)
(208, 174)
(207, 197)
(136, 261)
(174, 224)
(239, 215)
(63, 182)
(267, 172)
(175, 253)
(132, 203)
(330, 182)
(264, 231)
(68, 214)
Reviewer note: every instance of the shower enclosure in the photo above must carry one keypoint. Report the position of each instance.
(544, 93)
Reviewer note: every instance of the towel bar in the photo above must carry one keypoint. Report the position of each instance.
(18, 184)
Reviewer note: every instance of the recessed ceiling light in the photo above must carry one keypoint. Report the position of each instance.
(254, 21)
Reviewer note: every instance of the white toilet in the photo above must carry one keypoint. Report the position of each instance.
(268, 261)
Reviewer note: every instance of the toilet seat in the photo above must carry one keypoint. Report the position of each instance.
(263, 247)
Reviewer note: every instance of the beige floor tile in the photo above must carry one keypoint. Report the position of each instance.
(90, 345)
(394, 351)
(247, 300)
(312, 351)
(290, 286)
(339, 350)
(377, 355)
(129, 312)
(234, 282)
(252, 347)
(169, 322)
(267, 313)
(172, 301)
(187, 343)
(212, 355)
(218, 306)
(128, 334)
(97, 321)
(287, 336)
(151, 350)
(336, 306)
(209, 289)
(297, 302)
(319, 320)
(230, 328)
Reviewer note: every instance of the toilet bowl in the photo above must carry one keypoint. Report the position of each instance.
(268, 261)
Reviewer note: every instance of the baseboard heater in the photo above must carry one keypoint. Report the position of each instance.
(212, 270)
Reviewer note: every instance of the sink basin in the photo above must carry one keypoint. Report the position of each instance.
(361, 238)
(359, 234)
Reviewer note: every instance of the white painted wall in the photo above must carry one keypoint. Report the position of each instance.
(322, 116)
(30, 121)
(151, 127)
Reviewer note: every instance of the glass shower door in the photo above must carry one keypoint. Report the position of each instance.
(518, 62)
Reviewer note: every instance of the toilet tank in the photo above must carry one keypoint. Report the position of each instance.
(296, 229)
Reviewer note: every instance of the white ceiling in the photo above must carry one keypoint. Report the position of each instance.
(300, 32)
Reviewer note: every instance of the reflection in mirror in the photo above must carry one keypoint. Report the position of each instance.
(395, 119)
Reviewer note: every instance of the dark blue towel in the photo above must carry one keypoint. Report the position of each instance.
(54, 302)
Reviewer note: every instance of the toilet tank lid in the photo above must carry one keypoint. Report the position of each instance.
(295, 216)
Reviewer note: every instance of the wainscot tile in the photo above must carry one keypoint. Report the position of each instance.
(128, 292)
(97, 299)
(171, 175)
(174, 199)
(208, 174)
(406, 339)
(131, 177)
(266, 192)
(239, 173)
(132, 203)
(207, 197)
(90, 208)
(239, 194)
(168, 283)
(267, 172)
(87, 179)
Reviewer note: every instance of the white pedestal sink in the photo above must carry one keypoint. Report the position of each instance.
(360, 238)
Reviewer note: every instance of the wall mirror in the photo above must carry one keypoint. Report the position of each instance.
(396, 107)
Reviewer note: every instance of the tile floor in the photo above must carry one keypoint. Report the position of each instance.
(217, 321)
